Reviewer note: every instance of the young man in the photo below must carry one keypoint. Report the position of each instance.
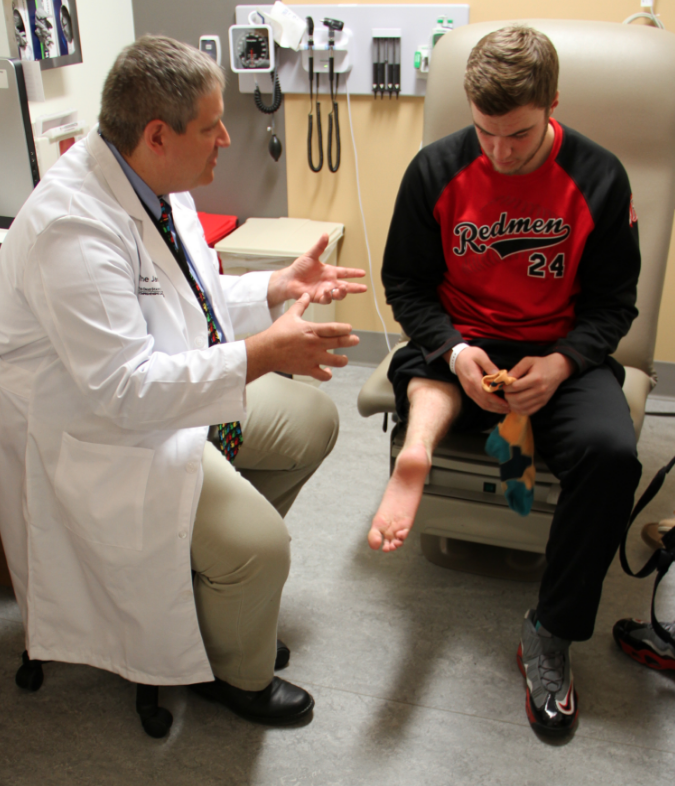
(514, 245)
(124, 394)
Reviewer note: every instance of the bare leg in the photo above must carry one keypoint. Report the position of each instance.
(433, 407)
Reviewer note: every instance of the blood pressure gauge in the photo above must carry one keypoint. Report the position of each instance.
(251, 49)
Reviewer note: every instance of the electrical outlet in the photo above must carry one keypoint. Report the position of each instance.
(647, 3)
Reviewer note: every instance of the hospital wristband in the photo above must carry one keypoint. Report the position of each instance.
(455, 354)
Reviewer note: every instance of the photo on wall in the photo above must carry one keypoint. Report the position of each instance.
(44, 30)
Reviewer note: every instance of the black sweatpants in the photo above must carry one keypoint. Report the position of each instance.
(586, 437)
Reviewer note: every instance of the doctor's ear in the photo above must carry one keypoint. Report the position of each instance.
(154, 136)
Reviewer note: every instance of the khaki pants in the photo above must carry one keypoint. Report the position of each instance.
(240, 544)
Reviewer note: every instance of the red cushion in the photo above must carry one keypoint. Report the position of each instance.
(217, 227)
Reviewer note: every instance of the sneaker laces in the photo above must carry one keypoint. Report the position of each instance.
(552, 671)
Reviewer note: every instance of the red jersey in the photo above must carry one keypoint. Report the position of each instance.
(510, 251)
(549, 257)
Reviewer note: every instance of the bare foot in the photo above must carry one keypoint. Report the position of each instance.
(396, 513)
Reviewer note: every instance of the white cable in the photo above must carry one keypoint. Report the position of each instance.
(363, 218)
(645, 15)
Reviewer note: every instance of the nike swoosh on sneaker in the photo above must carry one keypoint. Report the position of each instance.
(567, 706)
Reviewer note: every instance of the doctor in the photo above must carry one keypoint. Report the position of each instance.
(124, 400)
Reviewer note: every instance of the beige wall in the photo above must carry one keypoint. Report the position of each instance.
(388, 134)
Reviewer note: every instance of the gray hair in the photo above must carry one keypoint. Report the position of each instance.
(155, 78)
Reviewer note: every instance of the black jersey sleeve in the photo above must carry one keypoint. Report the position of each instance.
(414, 264)
(610, 264)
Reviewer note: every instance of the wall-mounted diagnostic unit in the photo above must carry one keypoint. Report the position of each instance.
(362, 49)
(381, 50)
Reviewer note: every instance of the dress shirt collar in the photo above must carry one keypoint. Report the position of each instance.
(145, 193)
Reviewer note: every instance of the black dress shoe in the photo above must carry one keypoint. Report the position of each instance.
(283, 656)
(279, 702)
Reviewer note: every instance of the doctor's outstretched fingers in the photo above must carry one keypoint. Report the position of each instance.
(308, 274)
(295, 346)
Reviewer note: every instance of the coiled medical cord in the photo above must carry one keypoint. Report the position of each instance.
(333, 124)
(310, 160)
(310, 119)
(277, 95)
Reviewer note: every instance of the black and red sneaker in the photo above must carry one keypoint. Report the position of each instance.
(551, 702)
(641, 643)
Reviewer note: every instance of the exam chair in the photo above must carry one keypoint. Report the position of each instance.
(616, 87)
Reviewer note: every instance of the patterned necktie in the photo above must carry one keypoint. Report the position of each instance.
(229, 434)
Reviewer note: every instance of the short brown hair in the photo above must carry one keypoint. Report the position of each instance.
(512, 67)
(155, 78)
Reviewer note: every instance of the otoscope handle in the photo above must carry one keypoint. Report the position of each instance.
(310, 46)
(380, 77)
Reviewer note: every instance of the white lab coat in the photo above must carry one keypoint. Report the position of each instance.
(107, 389)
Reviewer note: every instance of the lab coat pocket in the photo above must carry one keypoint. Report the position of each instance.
(102, 488)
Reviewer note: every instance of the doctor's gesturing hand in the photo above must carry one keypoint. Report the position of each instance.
(323, 283)
(294, 346)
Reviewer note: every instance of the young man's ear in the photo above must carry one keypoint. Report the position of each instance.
(555, 102)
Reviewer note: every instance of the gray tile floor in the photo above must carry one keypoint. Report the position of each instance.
(412, 667)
